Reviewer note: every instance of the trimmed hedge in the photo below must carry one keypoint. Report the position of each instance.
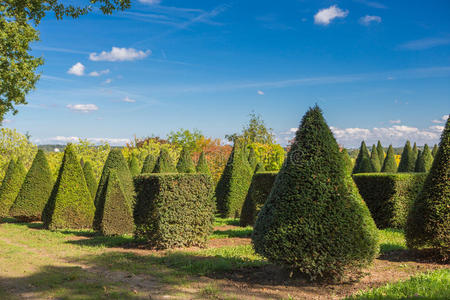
(424, 160)
(252, 160)
(260, 168)
(164, 163)
(375, 159)
(407, 160)
(14, 177)
(133, 165)
(35, 191)
(380, 151)
(363, 163)
(149, 164)
(174, 210)
(389, 196)
(256, 197)
(202, 165)
(117, 216)
(70, 204)
(389, 165)
(185, 163)
(90, 178)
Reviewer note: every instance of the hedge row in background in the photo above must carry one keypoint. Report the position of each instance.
(256, 197)
(389, 196)
(174, 210)
(15, 174)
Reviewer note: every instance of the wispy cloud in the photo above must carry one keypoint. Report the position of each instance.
(150, 2)
(84, 108)
(119, 54)
(395, 121)
(76, 139)
(367, 20)
(260, 92)
(326, 15)
(77, 69)
(61, 50)
(373, 4)
(441, 120)
(425, 43)
(99, 73)
(128, 100)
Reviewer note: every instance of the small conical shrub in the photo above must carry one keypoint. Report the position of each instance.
(375, 160)
(115, 161)
(149, 164)
(252, 159)
(380, 151)
(425, 160)
(415, 151)
(363, 164)
(429, 219)
(135, 170)
(407, 160)
(348, 161)
(70, 204)
(434, 151)
(260, 167)
(90, 178)
(13, 180)
(314, 220)
(234, 183)
(419, 154)
(185, 163)
(389, 165)
(34, 192)
(116, 216)
(202, 165)
(164, 163)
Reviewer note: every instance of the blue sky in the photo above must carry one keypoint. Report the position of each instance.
(378, 69)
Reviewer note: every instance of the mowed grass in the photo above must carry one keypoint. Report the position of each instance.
(431, 285)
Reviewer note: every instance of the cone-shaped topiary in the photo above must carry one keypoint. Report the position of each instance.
(429, 219)
(34, 192)
(348, 161)
(234, 183)
(375, 160)
(363, 164)
(407, 160)
(419, 154)
(252, 159)
(202, 165)
(415, 151)
(116, 216)
(425, 160)
(70, 204)
(115, 161)
(185, 163)
(260, 167)
(164, 163)
(149, 164)
(389, 165)
(434, 151)
(90, 178)
(15, 174)
(134, 166)
(380, 151)
(314, 220)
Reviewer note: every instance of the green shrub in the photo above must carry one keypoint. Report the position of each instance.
(202, 165)
(90, 178)
(407, 160)
(164, 163)
(375, 160)
(260, 168)
(134, 166)
(14, 177)
(380, 151)
(70, 204)
(424, 160)
(149, 164)
(347, 161)
(389, 165)
(116, 217)
(256, 197)
(233, 185)
(314, 220)
(116, 161)
(174, 210)
(434, 151)
(34, 192)
(429, 218)
(363, 163)
(389, 196)
(185, 163)
(252, 160)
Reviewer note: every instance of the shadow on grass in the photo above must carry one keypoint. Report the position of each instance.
(98, 240)
(232, 233)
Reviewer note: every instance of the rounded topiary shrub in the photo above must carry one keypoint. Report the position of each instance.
(164, 163)
(185, 163)
(13, 180)
(34, 192)
(70, 204)
(149, 164)
(90, 178)
(314, 221)
(429, 219)
(389, 165)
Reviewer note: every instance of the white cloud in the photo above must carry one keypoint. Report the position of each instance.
(437, 128)
(366, 20)
(107, 81)
(326, 15)
(99, 73)
(151, 2)
(76, 139)
(425, 43)
(129, 100)
(260, 92)
(395, 121)
(85, 108)
(77, 69)
(442, 120)
(120, 54)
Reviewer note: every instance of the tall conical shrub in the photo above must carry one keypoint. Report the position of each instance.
(434, 151)
(429, 219)
(164, 163)
(185, 163)
(116, 215)
(380, 151)
(375, 160)
(389, 165)
(415, 151)
(149, 164)
(34, 192)
(134, 166)
(363, 164)
(90, 178)
(407, 160)
(202, 165)
(13, 180)
(314, 220)
(70, 205)
(347, 161)
(234, 183)
(117, 162)
(425, 160)
(252, 159)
